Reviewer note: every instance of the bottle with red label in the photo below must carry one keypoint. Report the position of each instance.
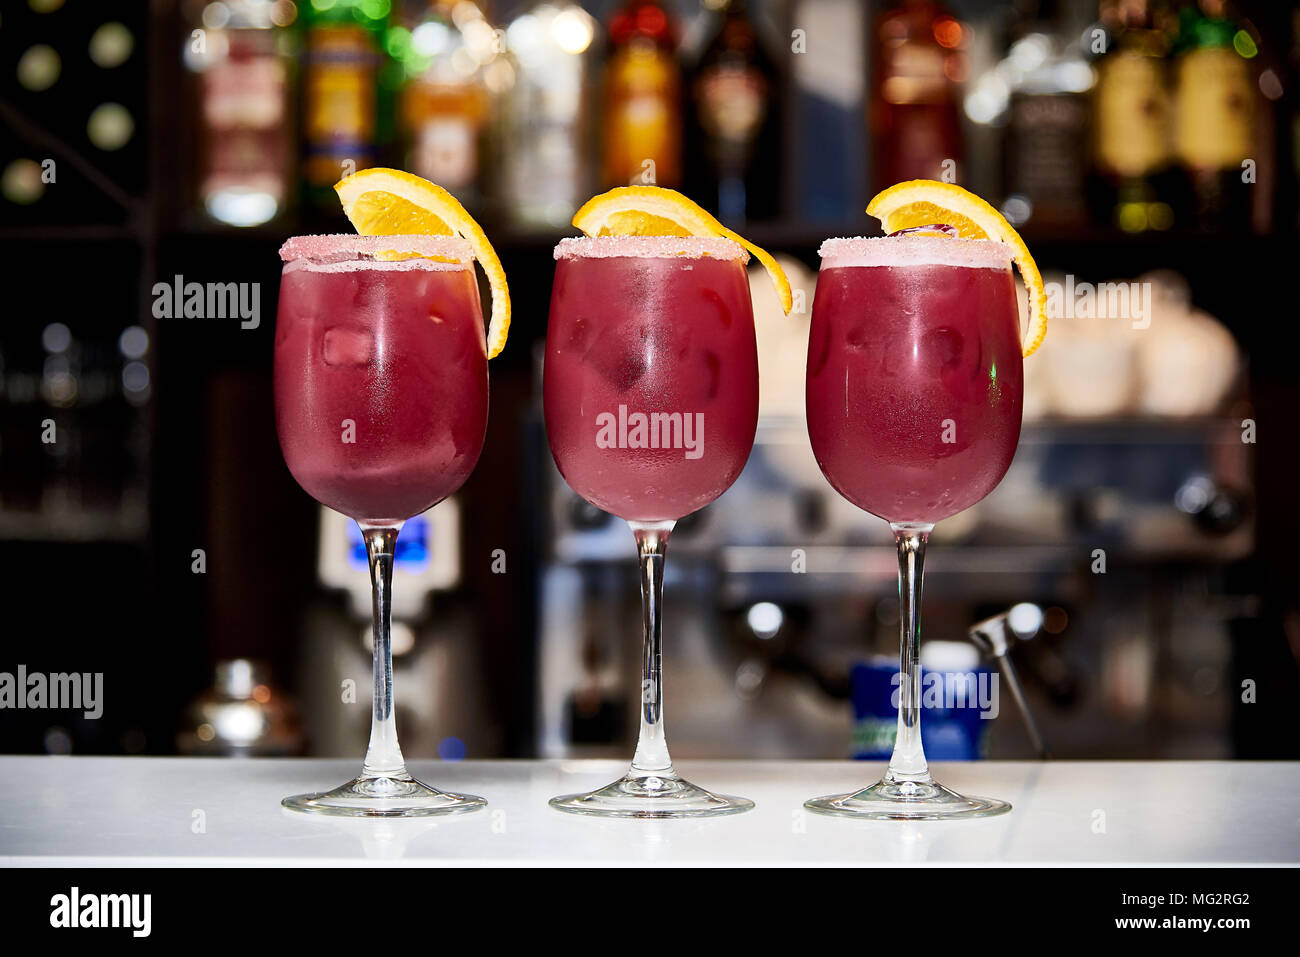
(919, 66)
(245, 146)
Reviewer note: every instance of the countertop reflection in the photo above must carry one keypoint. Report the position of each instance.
(201, 811)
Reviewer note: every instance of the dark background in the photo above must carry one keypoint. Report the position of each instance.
(127, 603)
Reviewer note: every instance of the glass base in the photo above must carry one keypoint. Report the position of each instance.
(398, 795)
(651, 796)
(907, 801)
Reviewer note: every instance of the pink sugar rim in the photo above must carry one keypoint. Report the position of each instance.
(415, 264)
(339, 247)
(915, 251)
(649, 247)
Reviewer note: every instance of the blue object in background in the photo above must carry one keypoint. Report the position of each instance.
(411, 553)
(947, 734)
(451, 749)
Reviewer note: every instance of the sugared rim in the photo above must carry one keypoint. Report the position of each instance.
(915, 251)
(411, 264)
(342, 247)
(650, 247)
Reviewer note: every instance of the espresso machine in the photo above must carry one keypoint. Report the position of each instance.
(440, 709)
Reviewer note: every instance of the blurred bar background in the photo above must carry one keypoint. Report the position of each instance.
(1150, 517)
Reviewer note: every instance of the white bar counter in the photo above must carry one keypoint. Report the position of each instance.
(132, 811)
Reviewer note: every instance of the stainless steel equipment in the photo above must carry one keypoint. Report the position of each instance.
(993, 636)
(1121, 531)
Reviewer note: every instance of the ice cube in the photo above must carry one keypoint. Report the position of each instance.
(624, 369)
(348, 347)
(620, 358)
(942, 347)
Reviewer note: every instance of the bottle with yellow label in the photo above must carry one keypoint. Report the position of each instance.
(347, 94)
(1132, 186)
(1215, 111)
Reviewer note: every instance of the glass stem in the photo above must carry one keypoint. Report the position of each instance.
(384, 755)
(651, 747)
(908, 760)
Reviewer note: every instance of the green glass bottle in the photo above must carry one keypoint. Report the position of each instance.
(1215, 114)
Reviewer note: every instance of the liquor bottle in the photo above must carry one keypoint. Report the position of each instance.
(1133, 185)
(1047, 117)
(545, 173)
(913, 112)
(245, 151)
(347, 87)
(733, 104)
(642, 111)
(445, 104)
(1215, 114)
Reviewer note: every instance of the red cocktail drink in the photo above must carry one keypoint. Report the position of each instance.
(914, 395)
(381, 388)
(651, 376)
(381, 398)
(914, 373)
(651, 394)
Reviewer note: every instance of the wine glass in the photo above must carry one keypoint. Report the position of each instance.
(381, 396)
(651, 398)
(914, 394)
